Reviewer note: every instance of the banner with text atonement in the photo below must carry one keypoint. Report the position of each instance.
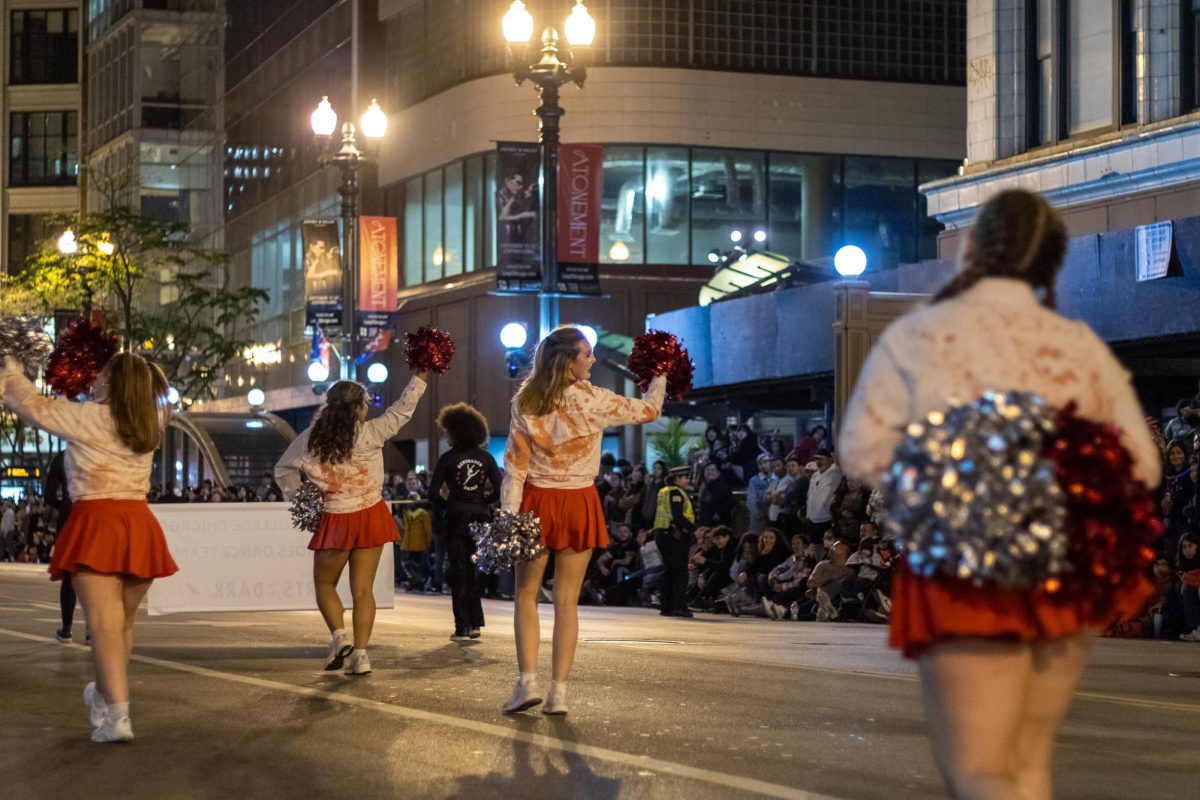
(322, 273)
(580, 187)
(518, 247)
(377, 284)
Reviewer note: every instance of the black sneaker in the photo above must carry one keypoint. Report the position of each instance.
(460, 635)
(63, 635)
(685, 614)
(474, 634)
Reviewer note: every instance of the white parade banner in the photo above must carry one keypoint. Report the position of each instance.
(244, 557)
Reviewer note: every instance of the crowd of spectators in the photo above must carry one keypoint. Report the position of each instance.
(27, 530)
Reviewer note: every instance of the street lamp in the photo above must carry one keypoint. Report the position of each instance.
(552, 70)
(850, 261)
(348, 160)
(69, 246)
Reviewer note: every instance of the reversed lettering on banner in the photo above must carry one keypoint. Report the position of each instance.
(377, 281)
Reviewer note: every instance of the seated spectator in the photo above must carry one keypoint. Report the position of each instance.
(795, 498)
(771, 552)
(620, 558)
(786, 583)
(713, 567)
(827, 580)
(849, 510)
(869, 591)
(1187, 567)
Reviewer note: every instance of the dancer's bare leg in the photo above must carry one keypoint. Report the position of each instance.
(569, 570)
(364, 563)
(525, 612)
(327, 571)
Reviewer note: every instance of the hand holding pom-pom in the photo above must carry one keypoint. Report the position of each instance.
(308, 506)
(83, 350)
(429, 350)
(660, 353)
(23, 340)
(509, 539)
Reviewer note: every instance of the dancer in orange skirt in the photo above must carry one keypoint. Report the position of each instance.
(342, 453)
(998, 667)
(551, 462)
(111, 546)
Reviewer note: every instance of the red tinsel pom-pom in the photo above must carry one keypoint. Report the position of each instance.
(429, 350)
(661, 353)
(82, 351)
(1110, 515)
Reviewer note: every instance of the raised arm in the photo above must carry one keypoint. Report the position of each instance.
(65, 419)
(516, 463)
(377, 431)
(287, 469)
(875, 419)
(609, 408)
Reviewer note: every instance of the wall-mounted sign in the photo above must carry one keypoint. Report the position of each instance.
(1153, 246)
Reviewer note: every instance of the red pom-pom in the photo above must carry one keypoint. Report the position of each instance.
(429, 350)
(660, 353)
(1110, 517)
(83, 350)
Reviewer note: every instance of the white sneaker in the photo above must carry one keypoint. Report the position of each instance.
(97, 708)
(1194, 636)
(339, 648)
(768, 609)
(827, 611)
(524, 696)
(358, 665)
(556, 700)
(113, 730)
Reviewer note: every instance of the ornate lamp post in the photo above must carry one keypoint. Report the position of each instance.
(548, 74)
(348, 159)
(69, 246)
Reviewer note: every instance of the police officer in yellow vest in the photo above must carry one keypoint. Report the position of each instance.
(674, 523)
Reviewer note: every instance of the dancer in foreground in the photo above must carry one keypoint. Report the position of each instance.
(551, 462)
(998, 667)
(111, 546)
(471, 479)
(342, 454)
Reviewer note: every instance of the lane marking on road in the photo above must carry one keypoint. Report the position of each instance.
(737, 782)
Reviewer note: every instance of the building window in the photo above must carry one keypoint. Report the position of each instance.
(623, 204)
(43, 149)
(26, 235)
(45, 46)
(1089, 62)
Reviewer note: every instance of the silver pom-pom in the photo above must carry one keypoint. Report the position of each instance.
(308, 506)
(970, 496)
(23, 338)
(507, 540)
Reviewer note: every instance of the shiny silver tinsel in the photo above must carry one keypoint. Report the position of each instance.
(970, 496)
(506, 540)
(308, 505)
(23, 338)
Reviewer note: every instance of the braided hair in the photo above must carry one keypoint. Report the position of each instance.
(336, 426)
(1016, 235)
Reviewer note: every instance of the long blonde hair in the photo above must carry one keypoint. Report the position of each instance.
(543, 387)
(137, 393)
(336, 426)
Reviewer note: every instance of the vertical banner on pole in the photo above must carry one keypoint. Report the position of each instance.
(377, 285)
(580, 186)
(322, 272)
(518, 245)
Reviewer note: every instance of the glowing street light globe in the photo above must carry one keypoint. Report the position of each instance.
(173, 395)
(318, 372)
(517, 23)
(374, 121)
(324, 119)
(850, 261)
(377, 373)
(256, 397)
(735, 236)
(513, 335)
(760, 236)
(67, 244)
(581, 28)
(589, 333)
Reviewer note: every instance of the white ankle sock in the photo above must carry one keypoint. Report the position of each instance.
(118, 710)
(359, 653)
(339, 633)
(527, 678)
(558, 689)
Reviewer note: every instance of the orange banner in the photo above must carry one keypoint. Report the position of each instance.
(377, 281)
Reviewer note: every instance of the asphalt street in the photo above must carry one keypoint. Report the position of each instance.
(237, 705)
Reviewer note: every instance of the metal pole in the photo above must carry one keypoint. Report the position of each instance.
(349, 191)
(549, 112)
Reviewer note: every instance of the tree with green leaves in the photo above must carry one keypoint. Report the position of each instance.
(673, 443)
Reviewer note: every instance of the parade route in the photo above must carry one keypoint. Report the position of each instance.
(236, 705)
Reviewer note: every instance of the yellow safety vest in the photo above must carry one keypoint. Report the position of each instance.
(663, 517)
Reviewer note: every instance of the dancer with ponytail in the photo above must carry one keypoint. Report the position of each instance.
(111, 546)
(998, 666)
(551, 461)
(342, 454)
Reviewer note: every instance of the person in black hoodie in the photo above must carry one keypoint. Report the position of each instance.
(714, 570)
(465, 482)
(55, 491)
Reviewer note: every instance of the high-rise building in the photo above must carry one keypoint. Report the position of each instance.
(40, 113)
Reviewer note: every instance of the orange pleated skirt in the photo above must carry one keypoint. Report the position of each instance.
(571, 518)
(371, 527)
(116, 537)
(928, 611)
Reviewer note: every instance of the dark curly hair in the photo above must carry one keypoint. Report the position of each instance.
(334, 431)
(1017, 234)
(464, 424)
